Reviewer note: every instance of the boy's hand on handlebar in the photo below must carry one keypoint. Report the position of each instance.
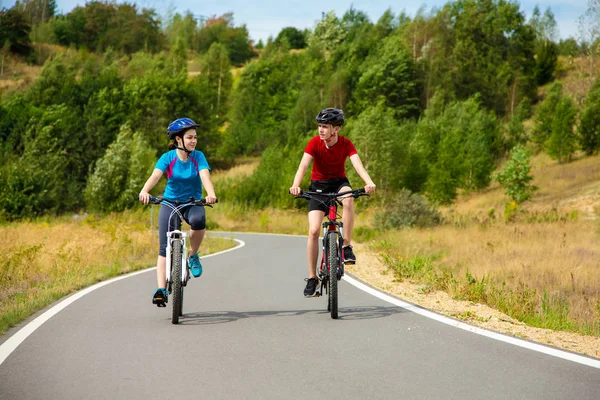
(144, 197)
(296, 191)
(370, 188)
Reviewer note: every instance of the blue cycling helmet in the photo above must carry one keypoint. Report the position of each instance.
(179, 126)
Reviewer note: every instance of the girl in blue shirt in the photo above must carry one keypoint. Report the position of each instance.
(187, 171)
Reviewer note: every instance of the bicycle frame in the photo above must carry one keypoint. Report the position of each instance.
(331, 228)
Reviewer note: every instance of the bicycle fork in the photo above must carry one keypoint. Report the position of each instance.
(172, 237)
(330, 233)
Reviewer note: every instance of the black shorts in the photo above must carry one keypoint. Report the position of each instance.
(329, 186)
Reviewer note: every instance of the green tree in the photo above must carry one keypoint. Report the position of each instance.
(294, 37)
(215, 67)
(589, 121)
(515, 178)
(460, 146)
(36, 11)
(485, 47)
(390, 77)
(15, 30)
(515, 131)
(562, 142)
(545, 63)
(120, 173)
(235, 39)
(544, 115)
(329, 32)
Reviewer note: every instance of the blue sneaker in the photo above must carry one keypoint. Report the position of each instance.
(195, 265)
(160, 297)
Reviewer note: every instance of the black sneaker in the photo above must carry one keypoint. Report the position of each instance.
(311, 287)
(349, 257)
(160, 297)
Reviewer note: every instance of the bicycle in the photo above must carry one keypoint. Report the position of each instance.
(177, 271)
(332, 261)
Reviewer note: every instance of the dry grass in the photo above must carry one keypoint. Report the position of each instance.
(243, 168)
(553, 246)
(44, 261)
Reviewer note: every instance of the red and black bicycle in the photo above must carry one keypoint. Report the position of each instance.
(331, 268)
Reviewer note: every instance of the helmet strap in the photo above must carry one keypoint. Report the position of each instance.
(183, 143)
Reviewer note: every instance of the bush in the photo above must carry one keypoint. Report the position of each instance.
(407, 209)
(515, 178)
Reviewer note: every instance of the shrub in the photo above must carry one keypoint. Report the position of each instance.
(407, 209)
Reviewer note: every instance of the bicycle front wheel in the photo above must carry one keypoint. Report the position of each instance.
(176, 286)
(334, 264)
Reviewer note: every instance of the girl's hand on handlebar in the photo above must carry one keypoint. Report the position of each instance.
(296, 191)
(370, 188)
(210, 199)
(144, 197)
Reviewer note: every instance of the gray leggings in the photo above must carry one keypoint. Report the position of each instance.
(195, 216)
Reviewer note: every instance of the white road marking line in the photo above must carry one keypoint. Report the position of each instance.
(474, 329)
(15, 340)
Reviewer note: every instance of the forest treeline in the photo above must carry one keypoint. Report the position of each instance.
(434, 102)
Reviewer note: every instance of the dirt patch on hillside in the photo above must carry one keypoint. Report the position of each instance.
(372, 271)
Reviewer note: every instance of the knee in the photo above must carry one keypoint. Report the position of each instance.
(348, 203)
(198, 224)
(313, 232)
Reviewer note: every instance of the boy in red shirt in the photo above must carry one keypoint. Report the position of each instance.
(328, 153)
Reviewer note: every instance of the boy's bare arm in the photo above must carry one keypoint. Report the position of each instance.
(362, 172)
(302, 168)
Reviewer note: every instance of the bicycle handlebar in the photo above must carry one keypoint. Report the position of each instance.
(199, 202)
(354, 193)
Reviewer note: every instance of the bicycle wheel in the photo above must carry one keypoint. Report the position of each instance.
(333, 259)
(176, 287)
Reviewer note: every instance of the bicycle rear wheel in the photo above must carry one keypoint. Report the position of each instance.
(176, 286)
(333, 260)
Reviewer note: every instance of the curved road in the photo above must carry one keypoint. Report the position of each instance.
(248, 333)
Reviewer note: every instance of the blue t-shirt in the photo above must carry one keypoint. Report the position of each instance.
(183, 178)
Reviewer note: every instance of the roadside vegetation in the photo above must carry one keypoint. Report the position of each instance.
(485, 156)
(46, 259)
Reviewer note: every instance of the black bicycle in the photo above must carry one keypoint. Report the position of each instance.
(332, 261)
(177, 270)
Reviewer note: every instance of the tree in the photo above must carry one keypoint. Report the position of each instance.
(515, 178)
(460, 147)
(545, 63)
(120, 173)
(542, 128)
(562, 142)
(14, 30)
(390, 77)
(485, 47)
(36, 11)
(235, 39)
(216, 69)
(589, 31)
(515, 133)
(589, 121)
(294, 37)
(329, 32)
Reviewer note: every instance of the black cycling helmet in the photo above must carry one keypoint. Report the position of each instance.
(179, 126)
(333, 116)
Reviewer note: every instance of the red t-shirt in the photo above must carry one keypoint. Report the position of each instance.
(329, 163)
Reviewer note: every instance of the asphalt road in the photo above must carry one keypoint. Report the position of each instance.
(248, 333)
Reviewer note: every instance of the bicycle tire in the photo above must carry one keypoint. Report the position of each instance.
(176, 287)
(333, 259)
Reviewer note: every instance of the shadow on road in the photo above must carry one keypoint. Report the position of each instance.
(346, 314)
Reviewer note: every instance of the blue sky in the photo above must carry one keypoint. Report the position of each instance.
(265, 18)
